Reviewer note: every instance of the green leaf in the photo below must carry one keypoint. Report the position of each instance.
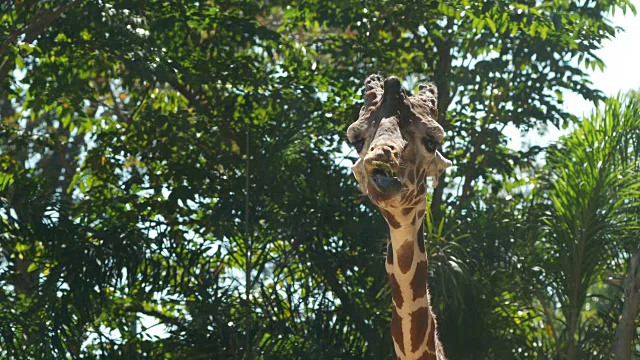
(492, 25)
(19, 62)
(533, 28)
(32, 267)
(5, 180)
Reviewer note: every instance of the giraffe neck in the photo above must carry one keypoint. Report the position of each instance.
(413, 326)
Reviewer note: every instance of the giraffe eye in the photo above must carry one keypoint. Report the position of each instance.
(430, 144)
(358, 144)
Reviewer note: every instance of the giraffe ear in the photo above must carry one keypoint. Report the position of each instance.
(436, 167)
(357, 170)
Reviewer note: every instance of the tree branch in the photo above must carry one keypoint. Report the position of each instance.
(116, 105)
(156, 314)
(630, 309)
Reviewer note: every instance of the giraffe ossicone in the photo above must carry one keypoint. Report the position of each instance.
(397, 137)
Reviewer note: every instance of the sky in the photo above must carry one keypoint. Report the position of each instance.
(620, 56)
(621, 73)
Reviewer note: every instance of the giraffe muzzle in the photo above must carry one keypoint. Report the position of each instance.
(384, 178)
(382, 169)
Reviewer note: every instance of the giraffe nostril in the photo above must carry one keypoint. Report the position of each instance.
(387, 149)
(384, 152)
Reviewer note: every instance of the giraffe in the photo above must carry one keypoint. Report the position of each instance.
(396, 137)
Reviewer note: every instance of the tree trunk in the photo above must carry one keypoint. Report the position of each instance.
(442, 78)
(627, 325)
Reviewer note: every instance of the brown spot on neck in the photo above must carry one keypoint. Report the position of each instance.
(427, 355)
(396, 330)
(396, 294)
(420, 320)
(391, 220)
(419, 281)
(389, 253)
(418, 200)
(405, 256)
(406, 211)
(407, 197)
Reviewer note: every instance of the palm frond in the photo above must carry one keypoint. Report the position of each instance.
(590, 193)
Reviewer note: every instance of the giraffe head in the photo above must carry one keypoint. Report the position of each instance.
(397, 137)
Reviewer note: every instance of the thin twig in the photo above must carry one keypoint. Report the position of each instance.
(116, 106)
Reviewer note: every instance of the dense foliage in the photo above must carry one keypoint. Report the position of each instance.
(174, 179)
